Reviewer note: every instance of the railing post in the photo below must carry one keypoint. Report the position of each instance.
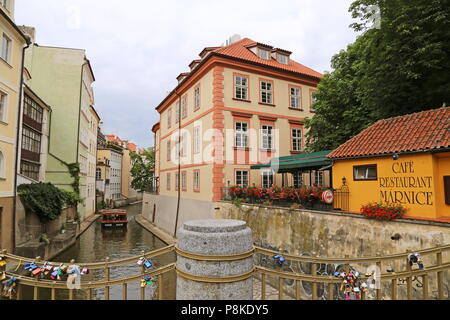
(425, 287)
(108, 277)
(142, 273)
(297, 289)
(218, 252)
(280, 288)
(53, 291)
(124, 291)
(394, 289)
(90, 292)
(378, 290)
(263, 286)
(314, 284)
(440, 276)
(408, 278)
(160, 287)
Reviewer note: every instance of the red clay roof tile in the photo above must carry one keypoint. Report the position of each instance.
(419, 132)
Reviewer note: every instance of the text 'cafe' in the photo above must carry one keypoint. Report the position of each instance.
(403, 160)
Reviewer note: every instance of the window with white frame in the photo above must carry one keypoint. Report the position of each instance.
(98, 174)
(197, 140)
(197, 98)
(267, 179)
(267, 137)
(5, 53)
(297, 140)
(241, 87)
(196, 180)
(169, 118)
(264, 54)
(184, 107)
(183, 180)
(168, 181)
(298, 179)
(2, 106)
(242, 178)
(4, 4)
(241, 134)
(169, 150)
(283, 59)
(318, 178)
(177, 112)
(177, 181)
(266, 92)
(295, 98)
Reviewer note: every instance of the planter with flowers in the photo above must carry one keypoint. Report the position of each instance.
(380, 211)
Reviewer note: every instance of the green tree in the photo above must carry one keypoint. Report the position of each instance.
(142, 170)
(400, 68)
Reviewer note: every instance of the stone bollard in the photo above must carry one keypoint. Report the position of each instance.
(215, 261)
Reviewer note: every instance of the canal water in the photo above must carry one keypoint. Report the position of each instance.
(97, 244)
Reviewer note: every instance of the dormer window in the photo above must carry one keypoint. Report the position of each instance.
(264, 54)
(283, 59)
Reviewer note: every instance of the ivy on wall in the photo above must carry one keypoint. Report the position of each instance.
(46, 200)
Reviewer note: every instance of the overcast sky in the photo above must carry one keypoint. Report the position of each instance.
(137, 48)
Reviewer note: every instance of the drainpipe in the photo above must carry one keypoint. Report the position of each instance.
(179, 163)
(16, 168)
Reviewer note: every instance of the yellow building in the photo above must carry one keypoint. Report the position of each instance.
(240, 105)
(403, 160)
(12, 44)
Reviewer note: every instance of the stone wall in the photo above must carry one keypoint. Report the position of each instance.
(338, 235)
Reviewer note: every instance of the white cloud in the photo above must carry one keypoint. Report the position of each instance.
(137, 48)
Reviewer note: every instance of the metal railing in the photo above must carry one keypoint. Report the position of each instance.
(323, 284)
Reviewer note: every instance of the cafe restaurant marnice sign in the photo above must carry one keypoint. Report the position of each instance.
(405, 185)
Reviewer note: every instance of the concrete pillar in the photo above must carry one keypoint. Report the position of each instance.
(202, 272)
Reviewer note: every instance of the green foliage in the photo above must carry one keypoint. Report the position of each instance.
(142, 170)
(396, 70)
(237, 202)
(44, 238)
(45, 200)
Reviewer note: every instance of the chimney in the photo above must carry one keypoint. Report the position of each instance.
(30, 32)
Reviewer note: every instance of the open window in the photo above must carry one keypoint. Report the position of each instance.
(365, 173)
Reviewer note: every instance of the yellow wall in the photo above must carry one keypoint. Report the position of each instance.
(417, 186)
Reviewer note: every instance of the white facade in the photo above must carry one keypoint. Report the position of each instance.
(115, 175)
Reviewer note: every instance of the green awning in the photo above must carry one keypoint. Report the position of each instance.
(299, 162)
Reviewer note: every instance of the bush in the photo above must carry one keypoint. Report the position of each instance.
(46, 200)
(382, 211)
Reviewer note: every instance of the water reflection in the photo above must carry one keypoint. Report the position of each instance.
(95, 245)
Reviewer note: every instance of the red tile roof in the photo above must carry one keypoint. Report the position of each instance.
(241, 51)
(419, 132)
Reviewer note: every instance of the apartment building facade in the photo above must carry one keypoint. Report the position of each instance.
(241, 104)
(63, 78)
(12, 44)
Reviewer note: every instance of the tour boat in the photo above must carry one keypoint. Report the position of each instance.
(114, 218)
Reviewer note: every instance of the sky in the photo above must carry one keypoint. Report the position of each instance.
(137, 48)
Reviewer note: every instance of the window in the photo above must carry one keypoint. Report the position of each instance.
(177, 112)
(267, 179)
(365, 173)
(184, 181)
(196, 140)
(184, 112)
(177, 181)
(318, 178)
(197, 98)
(169, 151)
(447, 189)
(266, 92)
(98, 174)
(297, 140)
(168, 181)
(242, 178)
(2, 165)
(283, 59)
(267, 137)
(313, 100)
(241, 134)
(264, 54)
(2, 107)
(4, 3)
(295, 98)
(30, 170)
(184, 141)
(197, 180)
(5, 54)
(31, 140)
(169, 118)
(298, 179)
(241, 87)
